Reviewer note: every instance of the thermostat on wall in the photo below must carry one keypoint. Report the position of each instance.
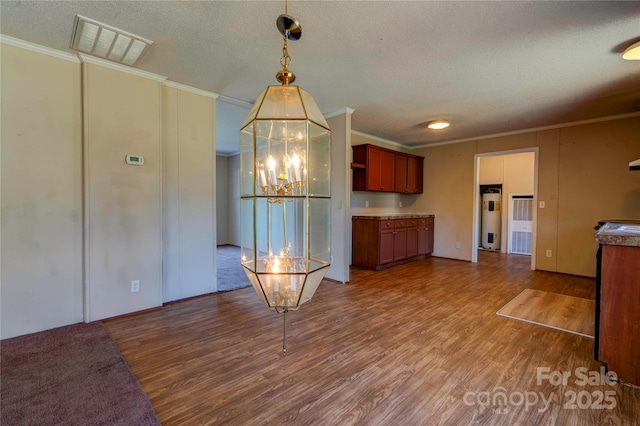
(135, 160)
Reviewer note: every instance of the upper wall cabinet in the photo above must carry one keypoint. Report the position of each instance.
(383, 170)
(409, 173)
(374, 168)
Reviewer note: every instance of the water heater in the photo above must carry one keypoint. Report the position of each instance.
(491, 220)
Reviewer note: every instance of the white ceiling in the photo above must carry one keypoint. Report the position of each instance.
(488, 67)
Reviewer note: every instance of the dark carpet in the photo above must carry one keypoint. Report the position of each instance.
(71, 375)
(231, 275)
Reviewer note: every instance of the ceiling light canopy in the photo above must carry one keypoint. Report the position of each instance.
(632, 53)
(438, 124)
(107, 42)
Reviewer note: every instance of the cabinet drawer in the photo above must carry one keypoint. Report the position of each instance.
(425, 221)
(386, 224)
(412, 222)
(401, 223)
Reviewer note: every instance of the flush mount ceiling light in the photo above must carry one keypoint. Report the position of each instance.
(632, 53)
(107, 42)
(438, 124)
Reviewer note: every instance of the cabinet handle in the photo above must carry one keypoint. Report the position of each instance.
(394, 233)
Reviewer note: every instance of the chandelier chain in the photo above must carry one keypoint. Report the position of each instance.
(286, 59)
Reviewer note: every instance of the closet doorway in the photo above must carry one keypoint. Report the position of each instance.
(516, 173)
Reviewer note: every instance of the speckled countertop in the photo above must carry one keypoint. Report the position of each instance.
(394, 216)
(619, 234)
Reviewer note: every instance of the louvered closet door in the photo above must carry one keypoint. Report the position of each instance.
(520, 224)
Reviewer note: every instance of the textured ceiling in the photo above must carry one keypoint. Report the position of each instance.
(488, 67)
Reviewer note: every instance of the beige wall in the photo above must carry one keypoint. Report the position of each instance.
(448, 193)
(582, 177)
(594, 183)
(69, 257)
(41, 166)
(234, 200)
(189, 194)
(340, 196)
(223, 199)
(123, 240)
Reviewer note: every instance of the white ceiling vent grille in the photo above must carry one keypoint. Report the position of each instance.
(107, 42)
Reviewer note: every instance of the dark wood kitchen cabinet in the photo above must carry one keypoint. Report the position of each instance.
(399, 240)
(618, 322)
(375, 170)
(383, 170)
(386, 245)
(425, 235)
(408, 174)
(379, 242)
(412, 237)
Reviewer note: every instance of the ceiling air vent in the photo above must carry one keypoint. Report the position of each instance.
(107, 42)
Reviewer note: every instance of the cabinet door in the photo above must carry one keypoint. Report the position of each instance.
(400, 244)
(425, 236)
(387, 171)
(419, 175)
(401, 173)
(412, 242)
(374, 170)
(422, 240)
(386, 246)
(430, 226)
(411, 174)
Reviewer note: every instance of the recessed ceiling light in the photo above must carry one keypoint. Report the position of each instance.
(107, 42)
(438, 124)
(632, 53)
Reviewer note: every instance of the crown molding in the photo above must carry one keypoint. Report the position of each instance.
(190, 89)
(535, 129)
(234, 101)
(108, 64)
(12, 41)
(376, 138)
(345, 110)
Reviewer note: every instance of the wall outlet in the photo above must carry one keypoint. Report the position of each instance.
(457, 246)
(366, 204)
(400, 204)
(135, 286)
(549, 253)
(542, 204)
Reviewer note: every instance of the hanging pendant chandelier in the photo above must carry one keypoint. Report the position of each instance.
(285, 170)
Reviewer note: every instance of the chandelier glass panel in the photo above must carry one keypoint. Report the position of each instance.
(285, 169)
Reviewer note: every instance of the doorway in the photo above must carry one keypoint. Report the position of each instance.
(517, 173)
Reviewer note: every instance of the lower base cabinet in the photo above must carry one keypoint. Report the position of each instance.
(618, 313)
(379, 243)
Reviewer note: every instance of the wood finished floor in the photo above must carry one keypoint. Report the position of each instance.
(568, 313)
(403, 346)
